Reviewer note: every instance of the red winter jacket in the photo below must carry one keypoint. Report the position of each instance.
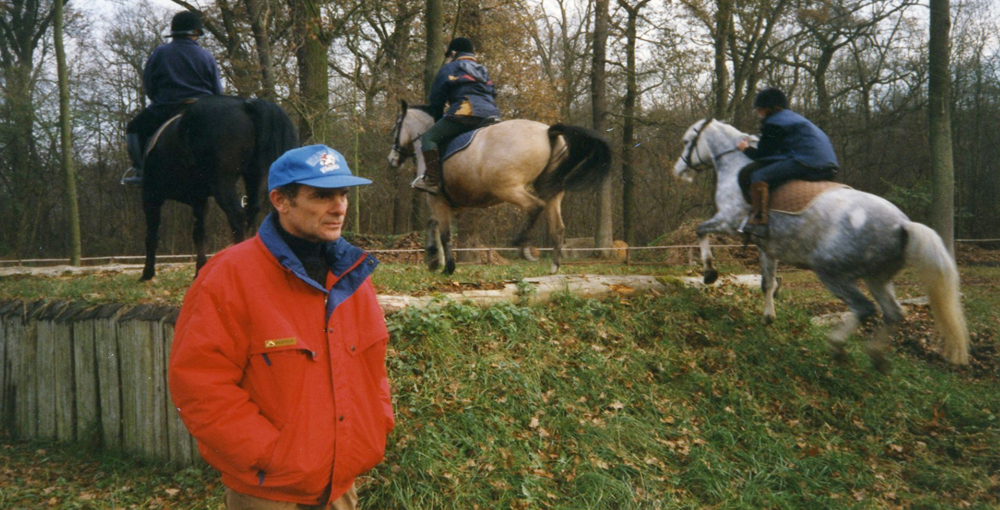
(283, 383)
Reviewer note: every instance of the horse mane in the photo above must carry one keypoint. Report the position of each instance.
(422, 107)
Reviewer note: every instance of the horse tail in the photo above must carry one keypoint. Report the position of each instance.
(275, 132)
(583, 164)
(926, 253)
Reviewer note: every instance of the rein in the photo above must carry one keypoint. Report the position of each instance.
(403, 154)
(686, 157)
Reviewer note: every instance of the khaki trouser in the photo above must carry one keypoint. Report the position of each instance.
(238, 501)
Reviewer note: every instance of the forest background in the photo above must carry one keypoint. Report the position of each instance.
(858, 68)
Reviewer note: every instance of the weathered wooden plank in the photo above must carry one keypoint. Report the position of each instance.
(65, 398)
(5, 373)
(157, 378)
(45, 396)
(178, 439)
(85, 381)
(128, 334)
(27, 393)
(109, 381)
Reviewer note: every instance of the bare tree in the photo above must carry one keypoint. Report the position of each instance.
(66, 137)
(938, 92)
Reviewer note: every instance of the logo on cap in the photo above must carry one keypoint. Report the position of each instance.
(326, 160)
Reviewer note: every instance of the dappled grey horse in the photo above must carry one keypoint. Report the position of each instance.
(844, 236)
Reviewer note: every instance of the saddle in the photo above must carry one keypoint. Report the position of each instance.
(793, 196)
(462, 141)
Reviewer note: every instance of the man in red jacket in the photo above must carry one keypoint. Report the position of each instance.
(278, 362)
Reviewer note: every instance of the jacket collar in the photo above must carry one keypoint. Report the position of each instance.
(341, 255)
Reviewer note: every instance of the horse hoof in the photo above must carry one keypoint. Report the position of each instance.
(147, 276)
(840, 356)
(554, 269)
(881, 363)
(449, 268)
(711, 275)
(768, 320)
(526, 253)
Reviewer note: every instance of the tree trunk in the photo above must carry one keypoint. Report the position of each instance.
(66, 137)
(938, 91)
(434, 20)
(723, 22)
(314, 83)
(259, 27)
(599, 102)
(628, 121)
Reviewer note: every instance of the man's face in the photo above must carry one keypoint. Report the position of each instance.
(315, 214)
(762, 112)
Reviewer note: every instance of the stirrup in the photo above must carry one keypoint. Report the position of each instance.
(131, 177)
(421, 184)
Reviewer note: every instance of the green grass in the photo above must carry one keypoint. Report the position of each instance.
(683, 400)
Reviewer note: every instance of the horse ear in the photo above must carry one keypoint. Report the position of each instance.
(403, 105)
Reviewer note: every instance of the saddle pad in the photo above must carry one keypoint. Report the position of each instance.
(795, 196)
(156, 136)
(459, 143)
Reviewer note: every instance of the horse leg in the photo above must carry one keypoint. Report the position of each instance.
(533, 207)
(768, 284)
(252, 180)
(861, 309)
(444, 229)
(226, 196)
(557, 229)
(709, 273)
(199, 207)
(152, 210)
(892, 316)
(434, 252)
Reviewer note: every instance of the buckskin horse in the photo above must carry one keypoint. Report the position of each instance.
(203, 153)
(498, 165)
(844, 236)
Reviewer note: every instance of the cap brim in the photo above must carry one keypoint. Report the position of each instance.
(335, 181)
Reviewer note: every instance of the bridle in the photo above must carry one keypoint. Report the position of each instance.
(396, 147)
(686, 157)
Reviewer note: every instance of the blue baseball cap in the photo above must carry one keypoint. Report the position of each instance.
(313, 165)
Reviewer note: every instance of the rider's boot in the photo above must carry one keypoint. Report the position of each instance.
(757, 226)
(134, 144)
(429, 179)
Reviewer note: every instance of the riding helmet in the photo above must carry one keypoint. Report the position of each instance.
(770, 98)
(185, 23)
(460, 45)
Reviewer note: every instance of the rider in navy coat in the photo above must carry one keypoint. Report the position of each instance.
(462, 95)
(175, 74)
(790, 147)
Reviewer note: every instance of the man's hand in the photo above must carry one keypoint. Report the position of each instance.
(743, 144)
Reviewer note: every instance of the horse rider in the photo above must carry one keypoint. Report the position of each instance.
(790, 147)
(176, 74)
(464, 87)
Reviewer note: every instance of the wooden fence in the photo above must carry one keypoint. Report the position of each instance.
(92, 374)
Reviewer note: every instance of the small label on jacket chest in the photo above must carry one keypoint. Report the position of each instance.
(279, 342)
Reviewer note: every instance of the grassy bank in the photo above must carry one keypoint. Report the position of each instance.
(674, 401)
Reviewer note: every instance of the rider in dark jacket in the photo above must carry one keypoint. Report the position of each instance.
(790, 147)
(175, 74)
(464, 87)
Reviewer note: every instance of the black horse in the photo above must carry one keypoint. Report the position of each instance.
(217, 140)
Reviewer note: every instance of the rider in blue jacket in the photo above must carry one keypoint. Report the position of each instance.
(790, 147)
(462, 95)
(175, 74)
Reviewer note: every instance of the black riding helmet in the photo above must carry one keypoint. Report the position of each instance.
(460, 45)
(770, 98)
(185, 23)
